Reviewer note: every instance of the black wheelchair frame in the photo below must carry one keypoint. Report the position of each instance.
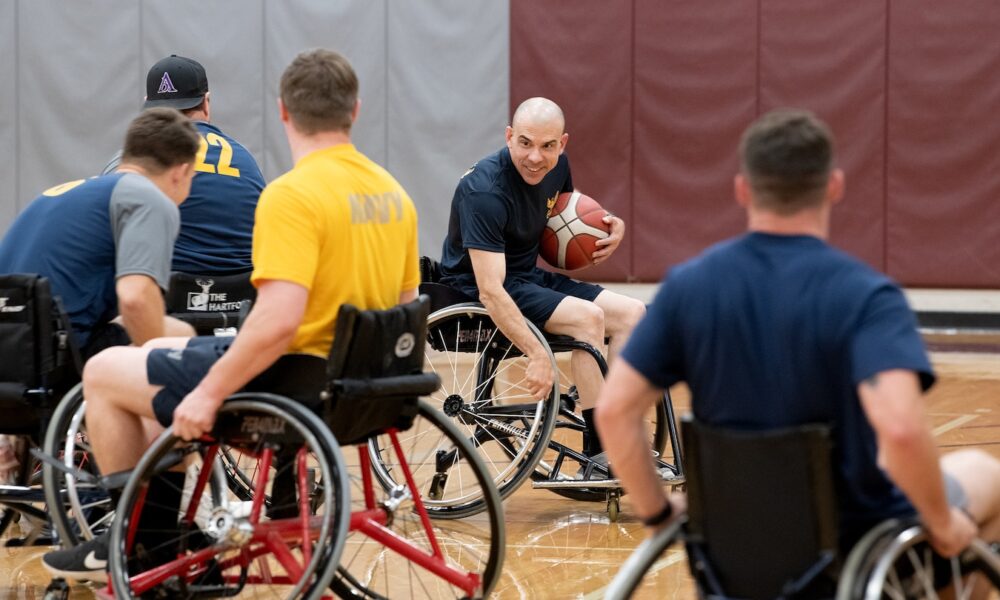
(762, 523)
(529, 437)
(40, 364)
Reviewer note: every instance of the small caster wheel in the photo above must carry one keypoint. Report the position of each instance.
(58, 590)
(614, 507)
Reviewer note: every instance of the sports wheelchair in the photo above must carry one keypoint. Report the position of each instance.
(269, 505)
(39, 365)
(482, 374)
(762, 523)
(212, 304)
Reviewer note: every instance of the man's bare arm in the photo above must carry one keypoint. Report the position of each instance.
(266, 335)
(490, 269)
(407, 296)
(140, 304)
(621, 412)
(893, 402)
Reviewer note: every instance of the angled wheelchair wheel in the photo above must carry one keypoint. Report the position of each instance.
(284, 542)
(79, 510)
(628, 581)
(483, 392)
(895, 560)
(408, 488)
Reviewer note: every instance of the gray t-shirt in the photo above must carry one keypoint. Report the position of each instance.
(145, 224)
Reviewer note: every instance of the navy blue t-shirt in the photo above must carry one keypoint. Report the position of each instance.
(85, 234)
(771, 331)
(495, 210)
(217, 217)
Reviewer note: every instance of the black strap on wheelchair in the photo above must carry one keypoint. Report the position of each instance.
(375, 370)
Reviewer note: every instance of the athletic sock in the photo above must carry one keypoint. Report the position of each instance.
(591, 443)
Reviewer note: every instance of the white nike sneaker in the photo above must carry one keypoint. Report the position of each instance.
(86, 561)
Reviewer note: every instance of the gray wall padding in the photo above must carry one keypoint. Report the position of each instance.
(8, 113)
(434, 83)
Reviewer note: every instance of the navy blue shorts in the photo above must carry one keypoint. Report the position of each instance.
(537, 293)
(300, 377)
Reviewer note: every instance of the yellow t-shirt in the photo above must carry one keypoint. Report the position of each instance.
(344, 228)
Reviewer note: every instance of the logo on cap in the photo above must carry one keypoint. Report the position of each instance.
(166, 85)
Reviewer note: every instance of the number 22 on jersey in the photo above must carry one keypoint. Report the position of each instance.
(225, 156)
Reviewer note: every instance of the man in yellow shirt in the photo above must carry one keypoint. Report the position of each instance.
(336, 229)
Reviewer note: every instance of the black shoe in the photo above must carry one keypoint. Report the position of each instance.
(86, 561)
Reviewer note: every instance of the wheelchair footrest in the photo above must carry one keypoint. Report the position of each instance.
(577, 484)
(565, 484)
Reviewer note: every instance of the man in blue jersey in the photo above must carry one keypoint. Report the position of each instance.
(777, 328)
(217, 217)
(498, 213)
(105, 243)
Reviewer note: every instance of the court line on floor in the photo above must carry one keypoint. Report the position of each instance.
(672, 559)
(952, 424)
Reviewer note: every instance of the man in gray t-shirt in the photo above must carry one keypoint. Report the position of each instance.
(105, 243)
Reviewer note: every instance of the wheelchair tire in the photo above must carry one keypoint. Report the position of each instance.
(240, 555)
(78, 511)
(642, 559)
(452, 482)
(474, 359)
(895, 560)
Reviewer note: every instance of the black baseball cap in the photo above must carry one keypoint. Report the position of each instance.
(176, 82)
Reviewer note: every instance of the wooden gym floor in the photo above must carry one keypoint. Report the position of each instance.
(559, 548)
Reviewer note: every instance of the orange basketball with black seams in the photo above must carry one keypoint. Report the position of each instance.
(576, 223)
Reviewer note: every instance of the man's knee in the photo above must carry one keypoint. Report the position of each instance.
(99, 372)
(623, 312)
(591, 323)
(972, 462)
(978, 474)
(173, 327)
(632, 312)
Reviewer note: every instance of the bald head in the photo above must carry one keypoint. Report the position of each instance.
(539, 111)
(536, 137)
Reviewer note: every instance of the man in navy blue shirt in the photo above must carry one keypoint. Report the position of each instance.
(777, 328)
(498, 214)
(217, 218)
(105, 243)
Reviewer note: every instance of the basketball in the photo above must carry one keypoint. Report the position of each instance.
(576, 222)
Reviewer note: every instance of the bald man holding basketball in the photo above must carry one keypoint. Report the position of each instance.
(498, 214)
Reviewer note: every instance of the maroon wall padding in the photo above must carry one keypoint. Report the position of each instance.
(657, 93)
(695, 91)
(579, 54)
(829, 57)
(944, 144)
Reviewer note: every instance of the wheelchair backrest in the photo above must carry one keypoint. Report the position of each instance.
(209, 301)
(440, 295)
(375, 370)
(430, 270)
(36, 342)
(762, 517)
